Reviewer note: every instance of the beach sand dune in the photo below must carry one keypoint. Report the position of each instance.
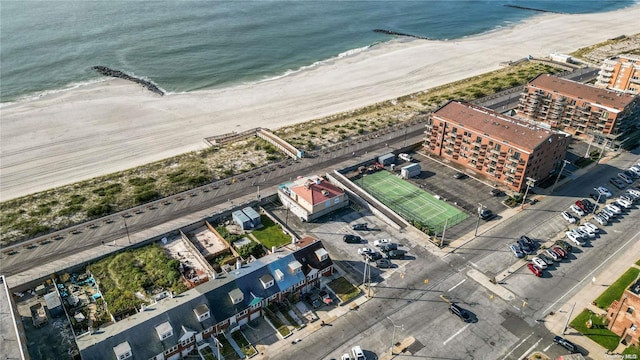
(114, 125)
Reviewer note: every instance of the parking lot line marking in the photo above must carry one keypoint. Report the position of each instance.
(529, 350)
(547, 348)
(456, 285)
(454, 335)
(589, 275)
(517, 346)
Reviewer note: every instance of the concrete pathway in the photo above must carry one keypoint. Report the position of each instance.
(605, 274)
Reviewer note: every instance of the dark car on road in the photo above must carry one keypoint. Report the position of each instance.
(396, 254)
(459, 312)
(487, 214)
(524, 246)
(564, 245)
(361, 226)
(373, 256)
(459, 175)
(565, 344)
(596, 197)
(495, 192)
(388, 247)
(530, 242)
(352, 239)
(384, 263)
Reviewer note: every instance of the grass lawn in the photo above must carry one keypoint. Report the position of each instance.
(226, 350)
(598, 333)
(142, 270)
(632, 350)
(242, 342)
(614, 292)
(344, 289)
(638, 262)
(271, 234)
(273, 318)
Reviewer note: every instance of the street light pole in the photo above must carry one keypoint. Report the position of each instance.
(393, 338)
(597, 202)
(564, 163)
(478, 222)
(530, 182)
(126, 229)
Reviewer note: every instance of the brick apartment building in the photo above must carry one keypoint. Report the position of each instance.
(621, 73)
(579, 108)
(624, 315)
(502, 148)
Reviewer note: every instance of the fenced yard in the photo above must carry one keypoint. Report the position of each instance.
(410, 202)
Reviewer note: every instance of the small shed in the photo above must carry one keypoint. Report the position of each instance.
(410, 171)
(242, 220)
(252, 215)
(54, 304)
(386, 159)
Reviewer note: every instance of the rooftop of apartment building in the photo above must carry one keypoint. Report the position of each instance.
(624, 58)
(612, 100)
(515, 132)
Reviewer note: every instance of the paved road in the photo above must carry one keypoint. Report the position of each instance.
(504, 329)
(87, 236)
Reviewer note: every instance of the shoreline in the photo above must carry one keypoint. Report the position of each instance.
(97, 129)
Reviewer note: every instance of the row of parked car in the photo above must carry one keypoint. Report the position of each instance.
(527, 246)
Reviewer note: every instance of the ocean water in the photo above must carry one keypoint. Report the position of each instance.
(191, 45)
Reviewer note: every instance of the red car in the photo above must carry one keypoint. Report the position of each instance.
(580, 205)
(560, 252)
(535, 269)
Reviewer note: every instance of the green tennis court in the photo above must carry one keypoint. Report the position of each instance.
(409, 201)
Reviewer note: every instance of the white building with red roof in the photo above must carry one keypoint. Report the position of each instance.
(309, 198)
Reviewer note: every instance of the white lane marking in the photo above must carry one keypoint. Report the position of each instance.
(517, 346)
(547, 348)
(456, 285)
(529, 350)
(474, 265)
(454, 335)
(589, 275)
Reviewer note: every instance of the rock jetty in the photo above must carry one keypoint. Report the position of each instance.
(119, 74)
(391, 32)
(532, 9)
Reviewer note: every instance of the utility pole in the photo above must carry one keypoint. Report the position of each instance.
(446, 222)
(478, 222)
(530, 182)
(597, 202)
(564, 329)
(393, 338)
(564, 163)
(604, 145)
(126, 229)
(586, 155)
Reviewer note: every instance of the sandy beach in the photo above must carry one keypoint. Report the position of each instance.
(114, 125)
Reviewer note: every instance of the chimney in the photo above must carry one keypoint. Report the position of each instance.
(318, 181)
(273, 249)
(213, 275)
(293, 240)
(238, 264)
(143, 307)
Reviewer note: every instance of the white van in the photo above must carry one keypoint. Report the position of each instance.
(405, 157)
(358, 354)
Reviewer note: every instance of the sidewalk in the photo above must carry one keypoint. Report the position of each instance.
(272, 351)
(606, 274)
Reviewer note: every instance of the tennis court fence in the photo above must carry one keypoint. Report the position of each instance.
(435, 226)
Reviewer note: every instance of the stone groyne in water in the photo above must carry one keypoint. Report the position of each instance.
(391, 32)
(119, 74)
(532, 9)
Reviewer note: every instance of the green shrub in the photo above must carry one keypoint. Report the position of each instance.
(76, 199)
(147, 196)
(70, 210)
(101, 209)
(255, 249)
(109, 190)
(141, 181)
